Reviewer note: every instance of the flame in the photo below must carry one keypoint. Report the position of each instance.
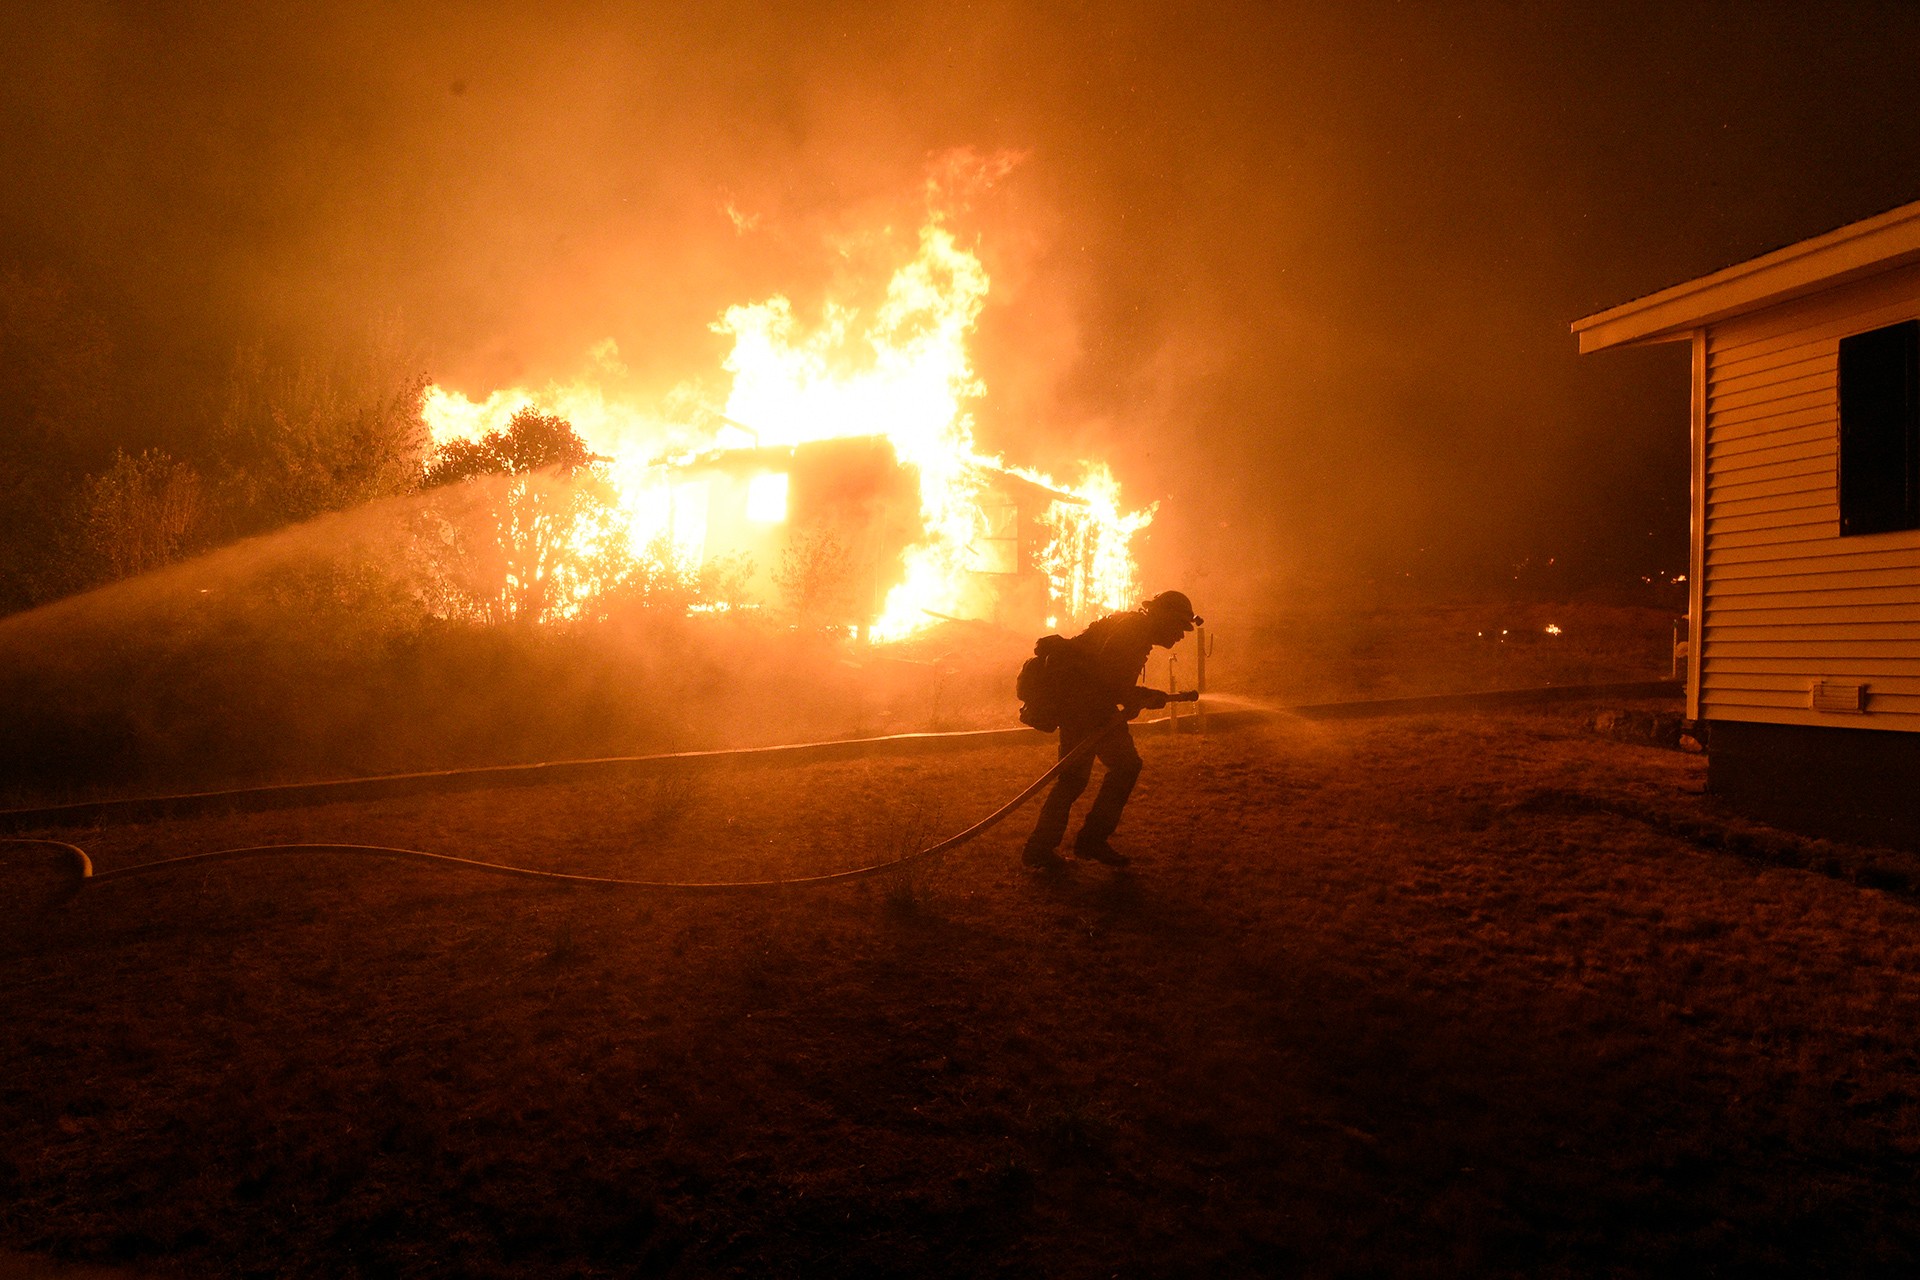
(903, 374)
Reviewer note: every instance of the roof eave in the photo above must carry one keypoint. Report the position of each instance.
(1859, 249)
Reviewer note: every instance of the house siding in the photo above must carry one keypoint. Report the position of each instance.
(1785, 600)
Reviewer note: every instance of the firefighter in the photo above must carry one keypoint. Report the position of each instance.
(1102, 677)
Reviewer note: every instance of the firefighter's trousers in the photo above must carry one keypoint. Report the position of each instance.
(1116, 751)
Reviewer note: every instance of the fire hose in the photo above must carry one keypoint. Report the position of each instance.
(85, 874)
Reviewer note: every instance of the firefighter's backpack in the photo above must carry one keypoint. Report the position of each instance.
(1041, 686)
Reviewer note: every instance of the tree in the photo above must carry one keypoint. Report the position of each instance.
(138, 515)
(532, 528)
(320, 436)
(533, 441)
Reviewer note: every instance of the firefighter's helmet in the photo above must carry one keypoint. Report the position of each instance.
(1173, 604)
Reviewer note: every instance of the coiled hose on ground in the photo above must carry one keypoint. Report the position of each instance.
(85, 874)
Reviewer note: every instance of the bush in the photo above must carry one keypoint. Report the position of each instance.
(142, 513)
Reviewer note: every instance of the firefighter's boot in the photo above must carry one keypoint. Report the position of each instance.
(1041, 858)
(1100, 851)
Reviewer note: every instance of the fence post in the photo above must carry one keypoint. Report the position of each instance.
(1173, 686)
(1200, 678)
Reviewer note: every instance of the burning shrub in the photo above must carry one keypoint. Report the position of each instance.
(661, 578)
(816, 577)
(535, 531)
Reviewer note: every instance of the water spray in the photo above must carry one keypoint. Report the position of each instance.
(84, 876)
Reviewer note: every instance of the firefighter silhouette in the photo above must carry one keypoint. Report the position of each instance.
(1096, 674)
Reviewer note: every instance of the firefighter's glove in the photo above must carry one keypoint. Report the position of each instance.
(1144, 699)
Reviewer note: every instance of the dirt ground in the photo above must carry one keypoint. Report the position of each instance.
(1475, 995)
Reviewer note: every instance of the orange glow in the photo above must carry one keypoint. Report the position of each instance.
(767, 497)
(900, 373)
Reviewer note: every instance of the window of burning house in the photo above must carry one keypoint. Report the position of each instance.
(1880, 429)
(767, 497)
(998, 550)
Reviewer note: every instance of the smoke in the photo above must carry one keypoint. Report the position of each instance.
(369, 642)
(1302, 273)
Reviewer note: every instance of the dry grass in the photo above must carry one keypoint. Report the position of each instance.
(1329, 654)
(133, 701)
(1481, 995)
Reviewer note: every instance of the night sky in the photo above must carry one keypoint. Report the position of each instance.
(1304, 274)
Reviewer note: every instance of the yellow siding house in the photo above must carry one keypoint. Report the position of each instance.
(1805, 580)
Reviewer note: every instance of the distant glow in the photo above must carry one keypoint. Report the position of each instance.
(767, 497)
(1553, 628)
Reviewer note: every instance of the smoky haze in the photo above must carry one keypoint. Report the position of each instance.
(1302, 274)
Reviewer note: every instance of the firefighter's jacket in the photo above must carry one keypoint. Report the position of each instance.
(1110, 656)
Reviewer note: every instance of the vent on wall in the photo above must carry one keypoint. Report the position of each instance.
(1839, 695)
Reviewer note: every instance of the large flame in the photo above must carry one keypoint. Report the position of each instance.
(902, 374)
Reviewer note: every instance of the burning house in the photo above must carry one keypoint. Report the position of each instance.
(843, 468)
(828, 526)
(1805, 577)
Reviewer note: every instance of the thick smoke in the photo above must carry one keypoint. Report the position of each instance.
(1304, 274)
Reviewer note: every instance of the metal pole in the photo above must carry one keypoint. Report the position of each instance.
(1173, 686)
(1200, 678)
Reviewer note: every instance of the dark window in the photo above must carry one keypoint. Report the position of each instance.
(1880, 429)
